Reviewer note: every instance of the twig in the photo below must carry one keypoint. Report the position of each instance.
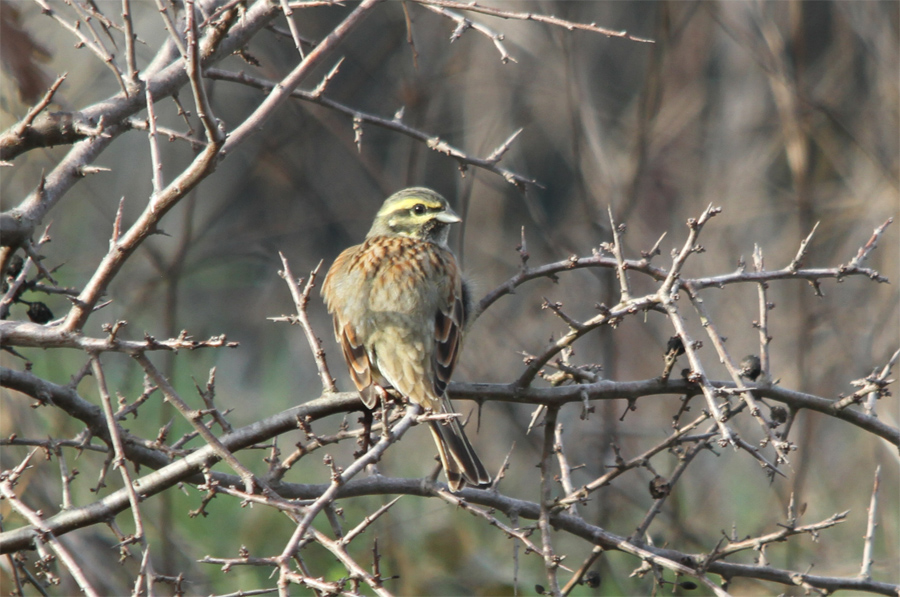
(295, 33)
(797, 262)
(617, 230)
(666, 295)
(95, 47)
(551, 560)
(656, 508)
(287, 85)
(130, 60)
(208, 395)
(539, 18)
(51, 444)
(117, 224)
(31, 250)
(654, 251)
(155, 163)
(323, 84)
(781, 447)
(170, 27)
(873, 396)
(582, 493)
(462, 24)
(301, 301)
(367, 521)
(513, 533)
(145, 225)
(433, 142)
(697, 374)
(690, 246)
(119, 460)
(91, 10)
(565, 472)
(870, 245)
(763, 323)
(786, 531)
(20, 128)
(15, 288)
(66, 478)
(754, 451)
(356, 571)
(583, 570)
(372, 456)
(874, 384)
(501, 150)
(87, 20)
(141, 124)
(17, 333)
(194, 417)
(865, 571)
(249, 593)
(45, 537)
(574, 325)
(550, 270)
(501, 472)
(192, 65)
(606, 316)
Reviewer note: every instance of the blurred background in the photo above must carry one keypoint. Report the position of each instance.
(785, 114)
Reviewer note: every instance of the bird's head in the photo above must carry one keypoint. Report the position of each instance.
(418, 213)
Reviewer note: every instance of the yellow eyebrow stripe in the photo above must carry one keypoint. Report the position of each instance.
(409, 202)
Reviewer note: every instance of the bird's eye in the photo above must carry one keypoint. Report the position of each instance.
(419, 209)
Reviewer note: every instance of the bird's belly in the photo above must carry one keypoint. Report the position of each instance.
(402, 356)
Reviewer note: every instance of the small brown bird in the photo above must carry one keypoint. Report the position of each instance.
(399, 305)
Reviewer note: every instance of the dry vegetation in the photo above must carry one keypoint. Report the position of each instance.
(651, 192)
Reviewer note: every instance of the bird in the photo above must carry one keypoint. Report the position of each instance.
(399, 305)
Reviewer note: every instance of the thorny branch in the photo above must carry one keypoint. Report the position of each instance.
(433, 142)
(43, 535)
(203, 35)
(301, 300)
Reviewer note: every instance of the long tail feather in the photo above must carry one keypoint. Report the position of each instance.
(461, 464)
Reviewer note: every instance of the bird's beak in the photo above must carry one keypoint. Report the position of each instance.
(448, 216)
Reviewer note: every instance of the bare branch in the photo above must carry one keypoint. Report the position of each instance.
(192, 66)
(20, 128)
(283, 90)
(462, 24)
(865, 571)
(797, 262)
(174, 34)
(617, 231)
(134, 81)
(565, 471)
(295, 33)
(155, 163)
(93, 45)
(870, 245)
(194, 418)
(396, 432)
(551, 560)
(550, 20)
(764, 307)
(301, 300)
(431, 141)
(45, 537)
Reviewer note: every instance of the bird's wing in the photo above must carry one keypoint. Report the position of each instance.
(346, 334)
(357, 362)
(448, 324)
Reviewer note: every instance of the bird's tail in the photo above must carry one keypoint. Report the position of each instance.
(461, 464)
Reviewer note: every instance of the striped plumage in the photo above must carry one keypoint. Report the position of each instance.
(399, 307)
